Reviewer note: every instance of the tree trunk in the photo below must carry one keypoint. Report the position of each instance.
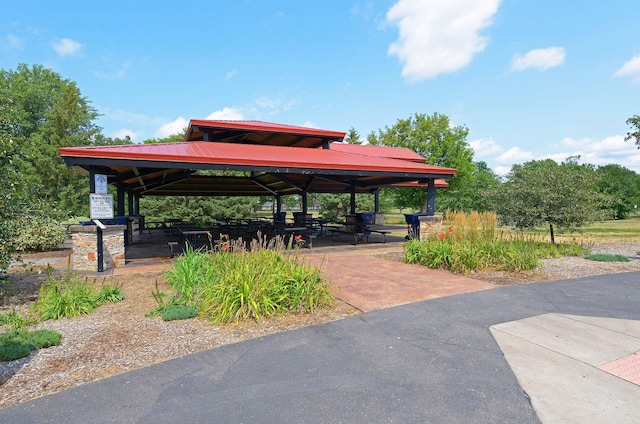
(553, 240)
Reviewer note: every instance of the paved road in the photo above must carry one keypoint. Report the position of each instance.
(434, 361)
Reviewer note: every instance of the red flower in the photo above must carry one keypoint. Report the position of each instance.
(225, 247)
(299, 237)
(442, 236)
(451, 228)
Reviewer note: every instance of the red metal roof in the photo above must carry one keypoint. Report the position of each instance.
(197, 152)
(401, 153)
(259, 132)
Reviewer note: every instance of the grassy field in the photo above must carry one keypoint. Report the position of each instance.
(626, 230)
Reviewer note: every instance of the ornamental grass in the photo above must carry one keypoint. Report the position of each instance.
(236, 282)
(467, 242)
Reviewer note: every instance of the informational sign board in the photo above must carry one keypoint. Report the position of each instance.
(101, 183)
(101, 206)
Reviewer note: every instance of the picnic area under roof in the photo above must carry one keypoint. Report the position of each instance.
(277, 160)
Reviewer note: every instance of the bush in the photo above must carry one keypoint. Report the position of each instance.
(69, 296)
(18, 344)
(36, 233)
(109, 293)
(606, 257)
(468, 242)
(14, 320)
(234, 283)
(176, 312)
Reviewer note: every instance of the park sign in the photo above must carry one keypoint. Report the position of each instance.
(101, 184)
(100, 206)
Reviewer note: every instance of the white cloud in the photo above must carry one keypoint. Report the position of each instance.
(230, 74)
(439, 36)
(485, 147)
(631, 68)
(309, 124)
(542, 59)
(66, 46)
(114, 74)
(122, 133)
(226, 114)
(608, 150)
(11, 42)
(174, 127)
(514, 155)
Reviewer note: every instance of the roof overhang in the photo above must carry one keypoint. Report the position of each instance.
(168, 169)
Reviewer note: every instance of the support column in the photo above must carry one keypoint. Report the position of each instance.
(120, 200)
(278, 203)
(130, 202)
(305, 205)
(431, 197)
(376, 201)
(353, 201)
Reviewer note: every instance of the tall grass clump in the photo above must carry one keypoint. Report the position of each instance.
(235, 283)
(70, 296)
(468, 242)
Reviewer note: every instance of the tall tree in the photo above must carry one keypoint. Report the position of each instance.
(50, 112)
(634, 133)
(623, 187)
(563, 196)
(441, 144)
(352, 137)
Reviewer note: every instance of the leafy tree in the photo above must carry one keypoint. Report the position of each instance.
(634, 133)
(352, 137)
(441, 144)
(471, 196)
(48, 112)
(336, 206)
(623, 187)
(562, 195)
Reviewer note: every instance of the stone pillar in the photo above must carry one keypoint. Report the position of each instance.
(85, 249)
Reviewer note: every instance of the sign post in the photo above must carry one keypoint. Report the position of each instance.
(100, 207)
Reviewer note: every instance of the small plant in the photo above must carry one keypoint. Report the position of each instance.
(606, 257)
(14, 320)
(69, 296)
(176, 312)
(109, 293)
(19, 343)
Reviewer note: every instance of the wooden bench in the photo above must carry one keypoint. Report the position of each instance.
(333, 231)
(381, 232)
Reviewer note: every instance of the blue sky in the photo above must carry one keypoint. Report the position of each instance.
(531, 79)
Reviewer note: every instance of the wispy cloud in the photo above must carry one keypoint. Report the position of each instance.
(11, 42)
(124, 132)
(66, 47)
(608, 150)
(439, 36)
(542, 59)
(230, 74)
(118, 73)
(226, 114)
(631, 68)
(176, 126)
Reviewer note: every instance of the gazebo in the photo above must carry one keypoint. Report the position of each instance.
(277, 160)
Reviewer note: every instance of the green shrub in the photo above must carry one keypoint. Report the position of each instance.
(14, 320)
(12, 349)
(19, 343)
(234, 283)
(176, 312)
(463, 255)
(66, 298)
(36, 233)
(606, 257)
(109, 293)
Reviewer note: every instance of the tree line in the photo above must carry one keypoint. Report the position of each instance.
(41, 111)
